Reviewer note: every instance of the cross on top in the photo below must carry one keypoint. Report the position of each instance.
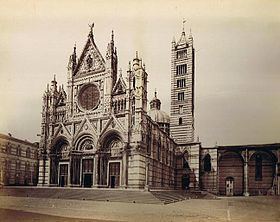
(184, 21)
(120, 70)
(91, 26)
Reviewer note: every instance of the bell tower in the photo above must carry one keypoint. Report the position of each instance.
(182, 89)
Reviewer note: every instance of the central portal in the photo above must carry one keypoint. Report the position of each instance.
(87, 172)
(63, 175)
(114, 174)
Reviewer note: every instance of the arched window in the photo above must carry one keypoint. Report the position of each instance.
(180, 121)
(159, 149)
(17, 165)
(28, 152)
(8, 149)
(134, 83)
(207, 163)
(258, 167)
(18, 150)
(133, 111)
(35, 154)
(149, 139)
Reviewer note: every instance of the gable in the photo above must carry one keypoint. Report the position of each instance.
(86, 127)
(61, 130)
(91, 60)
(113, 124)
(119, 88)
(61, 99)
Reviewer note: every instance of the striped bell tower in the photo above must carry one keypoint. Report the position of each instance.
(182, 90)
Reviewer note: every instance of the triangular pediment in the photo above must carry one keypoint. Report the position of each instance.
(86, 127)
(61, 98)
(62, 131)
(119, 87)
(91, 60)
(115, 124)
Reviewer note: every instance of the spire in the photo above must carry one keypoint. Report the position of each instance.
(120, 71)
(74, 57)
(136, 62)
(190, 35)
(183, 39)
(184, 21)
(112, 36)
(53, 84)
(91, 29)
(72, 60)
(155, 103)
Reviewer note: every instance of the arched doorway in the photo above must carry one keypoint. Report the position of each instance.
(208, 179)
(186, 178)
(59, 163)
(82, 161)
(231, 166)
(261, 172)
(110, 163)
(207, 166)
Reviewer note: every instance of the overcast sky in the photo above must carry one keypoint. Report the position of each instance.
(237, 75)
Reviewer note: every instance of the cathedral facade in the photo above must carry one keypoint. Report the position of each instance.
(99, 132)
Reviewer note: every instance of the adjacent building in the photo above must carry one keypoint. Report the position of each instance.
(241, 170)
(18, 161)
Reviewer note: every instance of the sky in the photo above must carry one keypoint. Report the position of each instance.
(237, 66)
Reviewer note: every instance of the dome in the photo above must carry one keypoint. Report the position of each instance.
(159, 116)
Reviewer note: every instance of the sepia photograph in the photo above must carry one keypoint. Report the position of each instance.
(139, 110)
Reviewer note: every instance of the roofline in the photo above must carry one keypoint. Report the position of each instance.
(7, 137)
(190, 143)
(155, 123)
(273, 145)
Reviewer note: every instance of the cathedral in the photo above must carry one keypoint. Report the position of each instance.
(100, 132)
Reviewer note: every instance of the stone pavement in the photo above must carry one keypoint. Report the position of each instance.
(223, 209)
(8, 215)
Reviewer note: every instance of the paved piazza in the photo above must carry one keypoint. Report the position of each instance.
(222, 209)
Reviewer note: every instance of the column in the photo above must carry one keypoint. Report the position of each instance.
(101, 162)
(41, 172)
(277, 182)
(124, 168)
(218, 173)
(246, 193)
(95, 171)
(147, 174)
(277, 175)
(69, 171)
(46, 180)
